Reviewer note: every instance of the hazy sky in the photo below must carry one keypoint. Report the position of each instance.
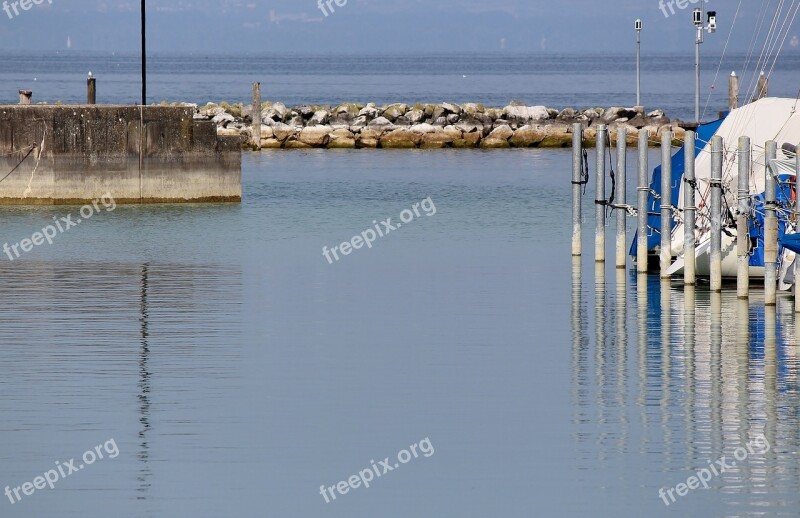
(376, 25)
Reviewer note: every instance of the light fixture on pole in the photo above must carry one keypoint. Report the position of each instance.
(638, 26)
(697, 19)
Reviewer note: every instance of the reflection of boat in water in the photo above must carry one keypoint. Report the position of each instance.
(770, 119)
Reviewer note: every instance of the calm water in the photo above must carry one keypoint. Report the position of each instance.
(238, 371)
(558, 81)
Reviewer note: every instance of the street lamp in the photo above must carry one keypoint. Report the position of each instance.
(638, 27)
(697, 19)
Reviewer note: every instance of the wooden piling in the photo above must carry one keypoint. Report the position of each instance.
(622, 186)
(643, 193)
(666, 203)
(600, 198)
(733, 91)
(716, 213)
(743, 213)
(25, 97)
(770, 229)
(577, 172)
(689, 210)
(256, 116)
(762, 87)
(91, 90)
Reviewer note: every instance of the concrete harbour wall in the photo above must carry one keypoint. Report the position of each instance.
(139, 154)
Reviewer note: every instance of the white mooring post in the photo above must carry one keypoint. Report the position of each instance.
(716, 213)
(600, 198)
(689, 271)
(770, 230)
(643, 192)
(797, 213)
(742, 230)
(622, 187)
(666, 203)
(577, 170)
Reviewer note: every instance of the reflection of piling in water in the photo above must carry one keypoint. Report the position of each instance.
(716, 367)
(621, 327)
(579, 343)
(689, 318)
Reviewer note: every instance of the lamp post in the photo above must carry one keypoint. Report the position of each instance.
(697, 19)
(638, 26)
(144, 57)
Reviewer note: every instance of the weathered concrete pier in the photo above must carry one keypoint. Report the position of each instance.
(58, 154)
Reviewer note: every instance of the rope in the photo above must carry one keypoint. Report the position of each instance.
(30, 150)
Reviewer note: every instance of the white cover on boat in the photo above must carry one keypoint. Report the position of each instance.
(771, 118)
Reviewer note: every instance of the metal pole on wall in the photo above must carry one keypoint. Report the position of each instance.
(577, 171)
(666, 202)
(144, 56)
(689, 270)
(742, 230)
(643, 191)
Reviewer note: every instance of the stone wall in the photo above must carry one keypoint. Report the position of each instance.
(73, 154)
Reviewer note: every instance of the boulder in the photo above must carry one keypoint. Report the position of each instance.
(342, 139)
(453, 132)
(359, 123)
(452, 118)
(370, 111)
(270, 143)
(283, 131)
(502, 132)
(424, 128)
(472, 108)
(316, 136)
(400, 139)
(528, 136)
(266, 132)
(366, 142)
(451, 108)
(436, 140)
(415, 116)
(296, 144)
(526, 113)
(393, 111)
(277, 111)
(566, 114)
(467, 127)
(441, 121)
(319, 118)
(222, 119)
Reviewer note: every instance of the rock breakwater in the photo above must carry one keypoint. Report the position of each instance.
(427, 126)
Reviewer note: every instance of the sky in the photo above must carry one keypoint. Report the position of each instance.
(377, 26)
